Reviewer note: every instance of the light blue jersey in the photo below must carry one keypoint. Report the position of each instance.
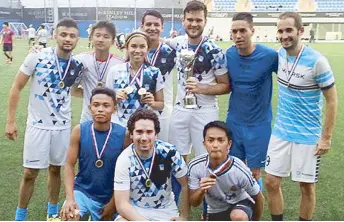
(300, 101)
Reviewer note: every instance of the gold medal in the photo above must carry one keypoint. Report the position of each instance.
(99, 163)
(148, 183)
(61, 85)
(100, 85)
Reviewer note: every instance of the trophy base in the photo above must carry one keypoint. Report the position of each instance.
(190, 102)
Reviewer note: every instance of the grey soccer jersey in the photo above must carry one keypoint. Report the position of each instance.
(234, 182)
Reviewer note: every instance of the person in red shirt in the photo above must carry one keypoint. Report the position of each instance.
(7, 41)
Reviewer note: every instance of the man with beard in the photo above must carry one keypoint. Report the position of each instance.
(163, 57)
(210, 79)
(96, 64)
(250, 67)
(53, 72)
(298, 140)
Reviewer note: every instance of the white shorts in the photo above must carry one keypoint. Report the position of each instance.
(153, 214)
(45, 147)
(186, 128)
(284, 157)
(164, 129)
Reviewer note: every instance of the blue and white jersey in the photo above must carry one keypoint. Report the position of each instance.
(299, 111)
(119, 77)
(49, 106)
(129, 175)
(165, 61)
(210, 62)
(234, 182)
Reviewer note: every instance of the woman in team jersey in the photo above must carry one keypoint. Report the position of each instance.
(136, 82)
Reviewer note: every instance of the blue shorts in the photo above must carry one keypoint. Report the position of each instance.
(250, 143)
(88, 206)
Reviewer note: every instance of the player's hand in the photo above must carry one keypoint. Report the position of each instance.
(36, 49)
(70, 211)
(323, 146)
(178, 219)
(206, 183)
(147, 98)
(107, 212)
(12, 131)
(192, 85)
(121, 95)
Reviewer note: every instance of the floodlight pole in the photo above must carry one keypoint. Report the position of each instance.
(45, 12)
(96, 10)
(135, 14)
(172, 21)
(69, 5)
(56, 12)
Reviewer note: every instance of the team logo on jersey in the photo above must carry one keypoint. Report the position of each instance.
(200, 58)
(161, 167)
(163, 60)
(72, 72)
(234, 188)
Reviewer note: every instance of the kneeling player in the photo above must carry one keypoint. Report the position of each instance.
(143, 174)
(96, 144)
(227, 184)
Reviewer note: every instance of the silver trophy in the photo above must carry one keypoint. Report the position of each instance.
(120, 41)
(187, 58)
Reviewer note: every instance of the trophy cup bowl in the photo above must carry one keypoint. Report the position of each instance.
(186, 59)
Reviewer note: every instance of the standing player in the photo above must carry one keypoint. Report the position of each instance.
(249, 114)
(136, 82)
(96, 64)
(7, 41)
(96, 144)
(143, 174)
(89, 30)
(31, 34)
(298, 140)
(231, 192)
(42, 36)
(163, 57)
(212, 79)
(53, 72)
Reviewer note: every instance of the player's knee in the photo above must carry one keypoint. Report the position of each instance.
(54, 170)
(238, 215)
(307, 189)
(30, 174)
(272, 183)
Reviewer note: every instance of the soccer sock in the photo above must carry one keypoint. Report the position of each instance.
(277, 217)
(11, 59)
(53, 209)
(21, 214)
(260, 183)
(301, 219)
(6, 55)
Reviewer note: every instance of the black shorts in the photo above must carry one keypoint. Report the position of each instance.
(245, 205)
(43, 44)
(7, 47)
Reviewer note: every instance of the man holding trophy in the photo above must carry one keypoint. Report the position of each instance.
(202, 75)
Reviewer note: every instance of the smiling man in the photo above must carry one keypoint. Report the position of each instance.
(53, 71)
(143, 174)
(250, 67)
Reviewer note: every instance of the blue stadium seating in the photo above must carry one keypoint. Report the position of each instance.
(279, 5)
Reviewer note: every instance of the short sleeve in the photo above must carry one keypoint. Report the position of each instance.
(275, 62)
(323, 73)
(248, 183)
(122, 179)
(218, 61)
(29, 65)
(179, 168)
(194, 178)
(159, 82)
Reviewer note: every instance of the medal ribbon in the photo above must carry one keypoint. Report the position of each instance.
(62, 76)
(100, 75)
(141, 165)
(289, 74)
(155, 55)
(220, 168)
(138, 76)
(95, 145)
